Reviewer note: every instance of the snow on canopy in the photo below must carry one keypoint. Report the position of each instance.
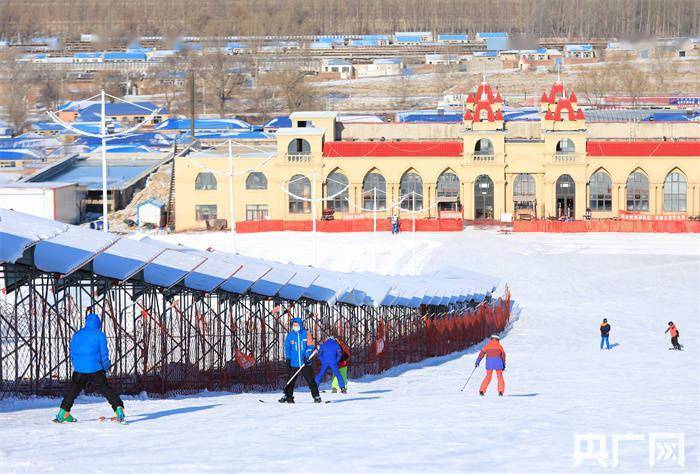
(64, 249)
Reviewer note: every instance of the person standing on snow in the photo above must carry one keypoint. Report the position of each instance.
(394, 224)
(330, 353)
(604, 334)
(342, 366)
(298, 349)
(495, 360)
(90, 357)
(674, 335)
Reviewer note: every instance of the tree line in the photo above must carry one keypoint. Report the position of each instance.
(173, 18)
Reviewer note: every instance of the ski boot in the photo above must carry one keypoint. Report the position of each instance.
(481, 393)
(500, 394)
(318, 400)
(334, 390)
(343, 390)
(119, 415)
(286, 399)
(64, 417)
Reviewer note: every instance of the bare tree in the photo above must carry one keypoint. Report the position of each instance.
(109, 81)
(596, 83)
(224, 77)
(633, 81)
(404, 92)
(296, 93)
(48, 84)
(17, 86)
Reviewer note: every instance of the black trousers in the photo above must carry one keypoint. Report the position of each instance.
(308, 374)
(674, 341)
(99, 380)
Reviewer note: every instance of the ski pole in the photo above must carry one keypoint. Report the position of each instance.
(469, 378)
(299, 370)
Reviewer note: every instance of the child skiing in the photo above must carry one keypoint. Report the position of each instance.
(330, 353)
(90, 357)
(674, 335)
(342, 366)
(298, 350)
(495, 360)
(604, 334)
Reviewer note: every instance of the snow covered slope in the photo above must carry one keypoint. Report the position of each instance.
(414, 417)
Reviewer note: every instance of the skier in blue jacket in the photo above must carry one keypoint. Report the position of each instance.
(330, 353)
(90, 357)
(298, 350)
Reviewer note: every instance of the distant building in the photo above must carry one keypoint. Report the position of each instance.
(412, 37)
(579, 53)
(116, 112)
(442, 59)
(343, 68)
(150, 212)
(57, 201)
(497, 41)
(485, 61)
(453, 39)
(380, 67)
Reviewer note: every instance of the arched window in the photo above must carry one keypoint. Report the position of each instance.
(337, 186)
(256, 180)
(675, 193)
(637, 192)
(411, 191)
(483, 147)
(600, 191)
(205, 182)
(524, 186)
(371, 182)
(299, 146)
(483, 197)
(566, 146)
(448, 185)
(566, 196)
(299, 187)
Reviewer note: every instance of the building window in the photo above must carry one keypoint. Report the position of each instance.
(675, 193)
(448, 185)
(483, 147)
(256, 212)
(256, 180)
(566, 146)
(637, 192)
(205, 182)
(483, 197)
(337, 186)
(600, 190)
(374, 181)
(566, 196)
(524, 191)
(299, 190)
(205, 212)
(411, 189)
(299, 146)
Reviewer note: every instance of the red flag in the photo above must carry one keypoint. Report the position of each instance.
(244, 360)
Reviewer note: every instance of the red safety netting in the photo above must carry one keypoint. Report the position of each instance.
(644, 226)
(350, 225)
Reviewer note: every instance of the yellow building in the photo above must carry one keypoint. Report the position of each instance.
(484, 172)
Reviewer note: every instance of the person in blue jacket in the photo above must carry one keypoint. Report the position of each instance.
(90, 357)
(298, 350)
(330, 353)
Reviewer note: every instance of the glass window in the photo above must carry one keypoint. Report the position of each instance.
(483, 147)
(299, 146)
(371, 182)
(675, 193)
(448, 185)
(524, 186)
(566, 146)
(637, 192)
(600, 190)
(256, 180)
(205, 182)
(256, 212)
(411, 190)
(483, 197)
(337, 186)
(299, 187)
(204, 212)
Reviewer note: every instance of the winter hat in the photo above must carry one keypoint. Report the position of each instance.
(605, 320)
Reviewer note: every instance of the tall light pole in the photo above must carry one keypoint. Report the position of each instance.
(103, 134)
(232, 225)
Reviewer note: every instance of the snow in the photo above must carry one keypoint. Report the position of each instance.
(413, 417)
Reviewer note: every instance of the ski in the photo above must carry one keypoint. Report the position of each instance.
(303, 403)
(113, 418)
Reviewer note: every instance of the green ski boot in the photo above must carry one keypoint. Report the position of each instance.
(64, 417)
(119, 415)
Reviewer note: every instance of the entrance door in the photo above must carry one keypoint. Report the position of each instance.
(483, 197)
(566, 191)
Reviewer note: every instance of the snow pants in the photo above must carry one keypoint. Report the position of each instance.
(334, 370)
(487, 380)
(99, 380)
(344, 372)
(605, 340)
(308, 374)
(676, 344)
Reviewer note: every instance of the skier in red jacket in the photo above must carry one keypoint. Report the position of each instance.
(495, 360)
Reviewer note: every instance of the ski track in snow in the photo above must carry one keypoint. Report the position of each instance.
(413, 417)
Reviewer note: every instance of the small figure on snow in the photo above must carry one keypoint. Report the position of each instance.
(330, 353)
(90, 357)
(298, 350)
(495, 360)
(605, 334)
(342, 365)
(674, 335)
(395, 224)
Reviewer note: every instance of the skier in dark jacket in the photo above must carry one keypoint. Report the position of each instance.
(604, 334)
(330, 353)
(90, 357)
(298, 350)
(674, 335)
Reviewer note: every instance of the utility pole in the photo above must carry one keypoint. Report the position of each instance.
(192, 104)
(103, 134)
